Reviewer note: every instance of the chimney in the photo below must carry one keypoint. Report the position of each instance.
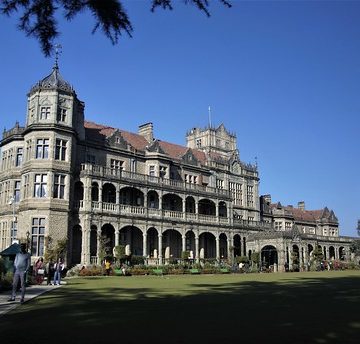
(301, 205)
(146, 130)
(267, 199)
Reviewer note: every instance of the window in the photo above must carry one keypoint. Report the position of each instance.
(250, 196)
(37, 236)
(40, 185)
(117, 164)
(278, 225)
(288, 225)
(61, 115)
(133, 165)
(45, 112)
(19, 157)
(13, 233)
(60, 150)
(59, 186)
(250, 218)
(29, 149)
(219, 183)
(236, 192)
(17, 191)
(198, 143)
(152, 170)
(26, 185)
(42, 149)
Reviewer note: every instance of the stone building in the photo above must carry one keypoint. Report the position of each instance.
(64, 177)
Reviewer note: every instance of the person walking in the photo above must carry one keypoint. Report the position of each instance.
(58, 267)
(21, 266)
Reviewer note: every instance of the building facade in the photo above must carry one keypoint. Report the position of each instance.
(64, 177)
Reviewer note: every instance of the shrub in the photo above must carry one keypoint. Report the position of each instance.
(93, 270)
(6, 281)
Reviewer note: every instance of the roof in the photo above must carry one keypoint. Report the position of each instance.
(98, 132)
(306, 215)
(53, 81)
(12, 250)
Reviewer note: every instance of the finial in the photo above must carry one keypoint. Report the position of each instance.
(58, 51)
(256, 161)
(209, 109)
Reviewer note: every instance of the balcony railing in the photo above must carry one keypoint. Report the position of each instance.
(106, 172)
(172, 215)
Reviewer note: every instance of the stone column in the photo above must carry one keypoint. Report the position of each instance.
(160, 249)
(100, 196)
(117, 236)
(98, 242)
(230, 244)
(217, 248)
(183, 237)
(145, 244)
(290, 259)
(197, 258)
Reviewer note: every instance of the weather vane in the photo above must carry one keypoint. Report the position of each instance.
(58, 51)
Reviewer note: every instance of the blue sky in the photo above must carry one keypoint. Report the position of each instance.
(284, 76)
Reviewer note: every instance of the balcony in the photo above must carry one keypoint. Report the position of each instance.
(151, 213)
(170, 215)
(145, 180)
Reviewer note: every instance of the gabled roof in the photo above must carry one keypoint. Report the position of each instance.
(306, 215)
(98, 132)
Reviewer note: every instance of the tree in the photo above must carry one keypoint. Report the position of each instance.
(54, 251)
(38, 16)
(355, 247)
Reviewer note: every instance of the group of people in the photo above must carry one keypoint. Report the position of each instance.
(22, 265)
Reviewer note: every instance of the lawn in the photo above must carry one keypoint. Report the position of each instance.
(313, 307)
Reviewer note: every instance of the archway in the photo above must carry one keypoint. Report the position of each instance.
(95, 192)
(152, 240)
(223, 246)
(207, 207)
(131, 196)
(237, 245)
(190, 205)
(109, 193)
(172, 202)
(76, 245)
(131, 237)
(269, 256)
(153, 199)
(107, 240)
(172, 244)
(295, 257)
(207, 245)
(332, 252)
(222, 209)
(190, 243)
(342, 253)
(78, 191)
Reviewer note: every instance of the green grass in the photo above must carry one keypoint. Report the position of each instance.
(318, 307)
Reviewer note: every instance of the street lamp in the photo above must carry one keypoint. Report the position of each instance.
(27, 241)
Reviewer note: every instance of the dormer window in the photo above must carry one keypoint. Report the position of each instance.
(45, 112)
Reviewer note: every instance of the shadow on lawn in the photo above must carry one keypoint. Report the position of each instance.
(313, 311)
